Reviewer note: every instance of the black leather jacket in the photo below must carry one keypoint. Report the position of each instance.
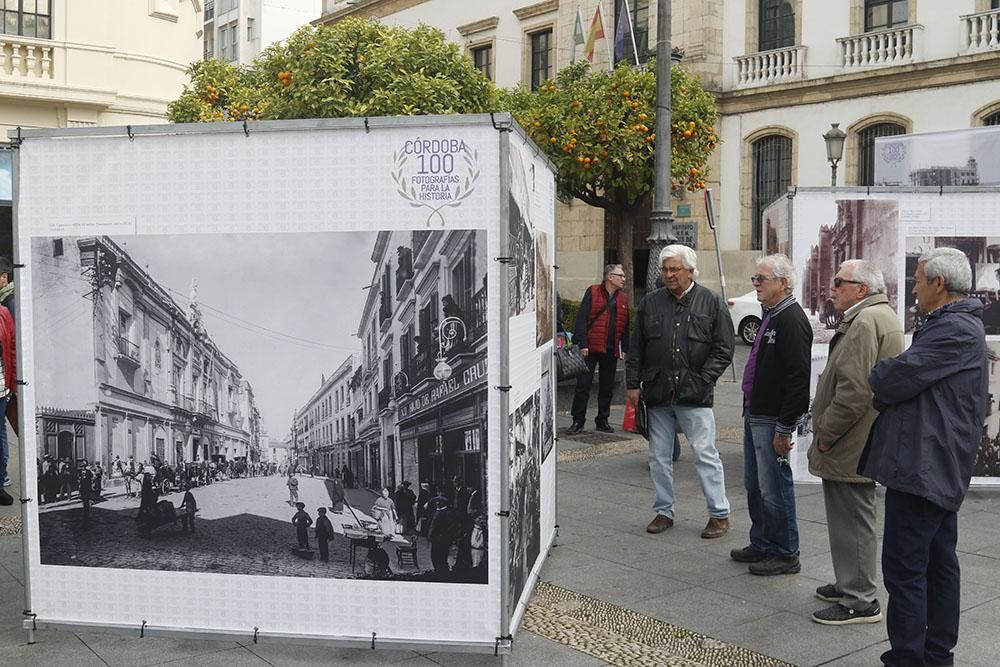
(680, 347)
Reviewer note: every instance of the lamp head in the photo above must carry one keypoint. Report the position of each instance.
(834, 138)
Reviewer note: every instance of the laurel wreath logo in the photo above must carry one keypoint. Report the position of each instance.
(470, 158)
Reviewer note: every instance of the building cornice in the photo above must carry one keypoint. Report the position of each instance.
(367, 9)
(536, 9)
(478, 26)
(955, 71)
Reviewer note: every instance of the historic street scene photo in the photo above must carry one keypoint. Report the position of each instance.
(525, 482)
(864, 229)
(984, 258)
(309, 404)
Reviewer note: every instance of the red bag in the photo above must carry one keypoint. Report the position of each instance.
(628, 424)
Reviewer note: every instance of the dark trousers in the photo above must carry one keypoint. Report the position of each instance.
(606, 366)
(921, 573)
(302, 532)
(324, 548)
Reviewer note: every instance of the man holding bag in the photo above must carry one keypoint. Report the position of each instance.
(601, 333)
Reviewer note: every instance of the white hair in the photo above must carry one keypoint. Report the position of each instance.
(950, 264)
(688, 257)
(866, 273)
(781, 267)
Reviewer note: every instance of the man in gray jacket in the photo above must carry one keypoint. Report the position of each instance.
(682, 343)
(842, 415)
(932, 399)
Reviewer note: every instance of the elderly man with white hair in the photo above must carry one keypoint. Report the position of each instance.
(932, 400)
(682, 343)
(842, 416)
(776, 396)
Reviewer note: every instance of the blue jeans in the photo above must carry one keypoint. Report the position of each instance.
(922, 576)
(4, 447)
(699, 426)
(770, 491)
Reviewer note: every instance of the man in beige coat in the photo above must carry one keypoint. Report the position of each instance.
(842, 415)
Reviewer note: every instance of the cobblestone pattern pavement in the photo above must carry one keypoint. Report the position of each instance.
(624, 637)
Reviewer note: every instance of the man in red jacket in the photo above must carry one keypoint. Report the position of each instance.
(8, 383)
(601, 333)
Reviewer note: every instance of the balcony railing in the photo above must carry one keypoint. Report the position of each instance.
(769, 67)
(128, 350)
(24, 57)
(189, 403)
(981, 32)
(478, 315)
(881, 48)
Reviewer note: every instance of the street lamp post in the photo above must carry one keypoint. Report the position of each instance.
(447, 333)
(661, 217)
(834, 139)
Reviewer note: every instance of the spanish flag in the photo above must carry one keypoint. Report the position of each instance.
(596, 33)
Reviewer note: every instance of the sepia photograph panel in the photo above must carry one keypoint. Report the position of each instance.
(306, 404)
(525, 498)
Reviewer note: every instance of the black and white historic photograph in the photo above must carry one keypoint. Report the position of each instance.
(964, 157)
(984, 257)
(309, 404)
(863, 229)
(525, 499)
(521, 231)
(544, 305)
(988, 462)
(546, 407)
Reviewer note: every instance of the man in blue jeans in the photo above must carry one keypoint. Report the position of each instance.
(682, 343)
(776, 395)
(932, 400)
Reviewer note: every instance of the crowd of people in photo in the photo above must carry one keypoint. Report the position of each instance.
(450, 517)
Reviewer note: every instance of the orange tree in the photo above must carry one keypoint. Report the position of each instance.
(355, 67)
(598, 128)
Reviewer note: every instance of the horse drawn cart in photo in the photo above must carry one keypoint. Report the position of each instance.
(162, 514)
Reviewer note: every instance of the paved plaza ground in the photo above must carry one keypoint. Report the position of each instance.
(610, 594)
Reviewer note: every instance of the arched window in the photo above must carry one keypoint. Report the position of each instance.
(777, 25)
(866, 148)
(993, 118)
(772, 174)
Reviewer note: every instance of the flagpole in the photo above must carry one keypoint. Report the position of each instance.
(631, 32)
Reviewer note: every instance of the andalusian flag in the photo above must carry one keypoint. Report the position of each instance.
(596, 33)
(577, 33)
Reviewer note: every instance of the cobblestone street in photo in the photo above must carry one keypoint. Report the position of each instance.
(243, 526)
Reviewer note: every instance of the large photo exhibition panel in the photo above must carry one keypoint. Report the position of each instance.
(894, 229)
(531, 308)
(348, 322)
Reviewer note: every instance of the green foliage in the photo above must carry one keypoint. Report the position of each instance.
(598, 127)
(355, 67)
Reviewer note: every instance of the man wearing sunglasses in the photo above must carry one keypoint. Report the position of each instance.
(842, 416)
(776, 396)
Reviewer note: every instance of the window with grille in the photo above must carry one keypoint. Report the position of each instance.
(993, 118)
(777, 25)
(866, 148)
(994, 4)
(772, 174)
(28, 18)
(881, 14)
(541, 58)
(639, 14)
(482, 59)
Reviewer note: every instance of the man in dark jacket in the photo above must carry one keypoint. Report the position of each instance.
(775, 396)
(922, 448)
(683, 342)
(601, 333)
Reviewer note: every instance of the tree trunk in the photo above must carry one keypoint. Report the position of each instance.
(625, 221)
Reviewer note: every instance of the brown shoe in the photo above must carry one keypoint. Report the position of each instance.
(715, 528)
(659, 524)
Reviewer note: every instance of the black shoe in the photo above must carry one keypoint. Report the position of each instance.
(773, 565)
(747, 555)
(604, 427)
(838, 614)
(575, 428)
(6, 498)
(829, 593)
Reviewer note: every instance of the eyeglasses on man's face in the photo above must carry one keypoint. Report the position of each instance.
(838, 281)
(618, 275)
(757, 279)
